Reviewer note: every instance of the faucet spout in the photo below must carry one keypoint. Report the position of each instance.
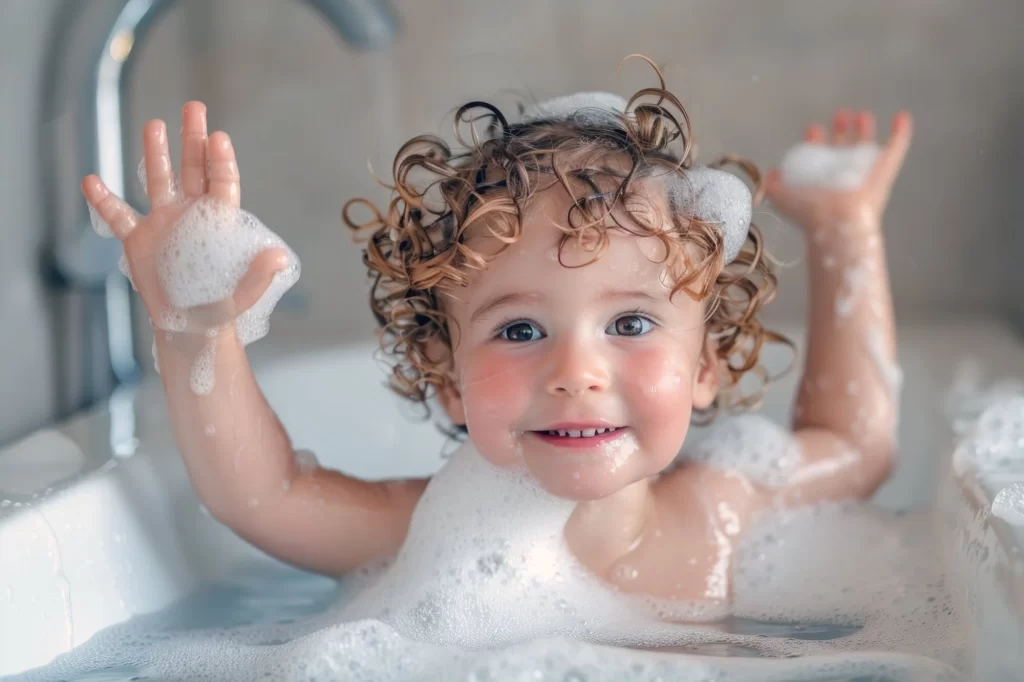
(84, 131)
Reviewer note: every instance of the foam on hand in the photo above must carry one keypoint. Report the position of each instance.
(208, 251)
(201, 262)
(819, 165)
(99, 225)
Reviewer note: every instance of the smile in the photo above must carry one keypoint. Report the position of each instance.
(581, 438)
(582, 433)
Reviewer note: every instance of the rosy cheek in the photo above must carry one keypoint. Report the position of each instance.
(495, 389)
(657, 379)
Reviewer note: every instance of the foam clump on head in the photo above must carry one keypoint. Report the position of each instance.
(585, 107)
(818, 165)
(720, 197)
(712, 195)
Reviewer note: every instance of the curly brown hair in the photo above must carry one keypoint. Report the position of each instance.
(418, 246)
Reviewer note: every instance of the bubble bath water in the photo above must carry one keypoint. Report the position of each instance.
(485, 589)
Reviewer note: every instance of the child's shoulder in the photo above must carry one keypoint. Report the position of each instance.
(728, 468)
(750, 445)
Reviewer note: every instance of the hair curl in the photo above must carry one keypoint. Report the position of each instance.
(419, 244)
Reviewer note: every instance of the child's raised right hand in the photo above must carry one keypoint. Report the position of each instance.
(822, 208)
(142, 236)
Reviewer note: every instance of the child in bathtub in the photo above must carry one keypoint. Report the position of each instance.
(574, 292)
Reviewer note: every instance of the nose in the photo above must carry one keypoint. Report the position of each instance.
(577, 368)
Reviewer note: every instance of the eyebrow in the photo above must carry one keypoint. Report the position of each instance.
(506, 300)
(627, 293)
(519, 298)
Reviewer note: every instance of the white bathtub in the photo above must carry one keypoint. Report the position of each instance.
(98, 521)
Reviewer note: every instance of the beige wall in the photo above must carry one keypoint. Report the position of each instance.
(307, 113)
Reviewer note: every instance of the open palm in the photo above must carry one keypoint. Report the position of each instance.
(814, 207)
(142, 236)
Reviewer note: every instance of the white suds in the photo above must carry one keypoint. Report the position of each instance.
(888, 370)
(306, 460)
(752, 445)
(206, 254)
(854, 278)
(201, 378)
(1009, 504)
(486, 589)
(99, 225)
(819, 165)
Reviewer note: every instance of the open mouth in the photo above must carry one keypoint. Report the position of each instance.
(580, 437)
(581, 433)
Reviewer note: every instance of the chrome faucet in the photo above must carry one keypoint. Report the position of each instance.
(83, 131)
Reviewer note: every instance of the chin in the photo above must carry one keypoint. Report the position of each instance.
(583, 489)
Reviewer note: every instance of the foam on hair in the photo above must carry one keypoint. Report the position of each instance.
(714, 196)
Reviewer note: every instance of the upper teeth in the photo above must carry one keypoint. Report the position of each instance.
(584, 433)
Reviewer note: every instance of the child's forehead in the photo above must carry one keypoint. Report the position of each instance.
(546, 219)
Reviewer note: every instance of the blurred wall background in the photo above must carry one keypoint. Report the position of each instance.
(307, 113)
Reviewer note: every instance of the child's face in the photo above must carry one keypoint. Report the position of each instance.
(542, 348)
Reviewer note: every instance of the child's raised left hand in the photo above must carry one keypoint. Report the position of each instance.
(815, 207)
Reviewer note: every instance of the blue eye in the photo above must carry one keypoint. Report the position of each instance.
(630, 325)
(519, 332)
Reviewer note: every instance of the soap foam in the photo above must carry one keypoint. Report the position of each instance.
(854, 279)
(201, 377)
(752, 445)
(485, 588)
(99, 225)
(1008, 504)
(716, 196)
(207, 252)
(995, 441)
(818, 165)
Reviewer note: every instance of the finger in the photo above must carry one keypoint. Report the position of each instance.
(159, 172)
(193, 149)
(841, 127)
(815, 133)
(259, 277)
(224, 181)
(895, 151)
(121, 217)
(865, 126)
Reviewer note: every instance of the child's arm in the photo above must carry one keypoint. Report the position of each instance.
(846, 411)
(237, 454)
(246, 473)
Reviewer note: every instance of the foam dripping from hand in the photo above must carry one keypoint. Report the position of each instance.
(207, 252)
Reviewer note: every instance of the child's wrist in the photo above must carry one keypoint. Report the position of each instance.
(191, 343)
(853, 222)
